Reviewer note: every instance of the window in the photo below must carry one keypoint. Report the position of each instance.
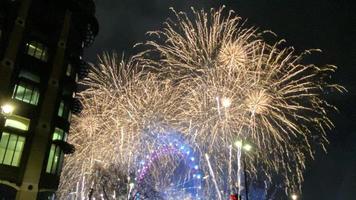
(61, 109)
(55, 157)
(11, 143)
(11, 147)
(17, 122)
(69, 70)
(64, 111)
(46, 195)
(37, 50)
(59, 134)
(26, 92)
(29, 76)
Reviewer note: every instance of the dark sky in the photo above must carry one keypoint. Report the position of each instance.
(326, 24)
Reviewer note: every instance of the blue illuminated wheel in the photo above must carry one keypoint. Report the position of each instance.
(170, 170)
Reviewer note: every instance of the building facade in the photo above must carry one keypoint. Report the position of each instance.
(41, 47)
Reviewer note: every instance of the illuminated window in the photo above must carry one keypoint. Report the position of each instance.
(59, 134)
(12, 144)
(64, 111)
(55, 157)
(11, 147)
(37, 50)
(17, 122)
(61, 109)
(26, 92)
(69, 70)
(29, 76)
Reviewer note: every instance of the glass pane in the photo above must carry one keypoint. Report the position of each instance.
(35, 97)
(60, 163)
(55, 160)
(44, 54)
(69, 70)
(58, 134)
(38, 53)
(61, 109)
(17, 122)
(27, 96)
(10, 149)
(31, 48)
(19, 92)
(50, 158)
(18, 151)
(65, 137)
(3, 143)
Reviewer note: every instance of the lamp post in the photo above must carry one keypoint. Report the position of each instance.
(243, 146)
(245, 176)
(131, 187)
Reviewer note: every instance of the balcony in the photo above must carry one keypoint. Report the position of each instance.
(84, 20)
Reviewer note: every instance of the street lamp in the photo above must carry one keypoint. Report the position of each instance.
(241, 145)
(247, 147)
(131, 187)
(7, 109)
(294, 197)
(238, 143)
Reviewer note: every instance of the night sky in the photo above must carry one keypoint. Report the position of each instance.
(326, 24)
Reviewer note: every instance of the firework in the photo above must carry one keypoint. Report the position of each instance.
(215, 84)
(122, 108)
(241, 88)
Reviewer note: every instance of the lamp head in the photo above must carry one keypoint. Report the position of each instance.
(247, 147)
(294, 197)
(7, 109)
(238, 143)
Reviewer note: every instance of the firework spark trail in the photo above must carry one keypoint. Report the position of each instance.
(274, 101)
(230, 170)
(216, 82)
(211, 172)
(239, 170)
(136, 103)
